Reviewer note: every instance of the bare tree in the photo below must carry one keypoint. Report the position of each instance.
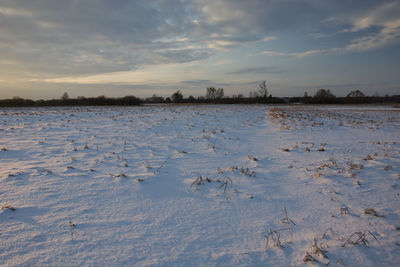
(253, 94)
(211, 93)
(65, 96)
(219, 93)
(263, 89)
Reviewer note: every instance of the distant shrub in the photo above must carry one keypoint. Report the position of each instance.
(356, 93)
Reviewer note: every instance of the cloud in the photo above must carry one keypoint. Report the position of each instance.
(7, 11)
(137, 77)
(64, 37)
(269, 38)
(389, 31)
(293, 54)
(72, 37)
(224, 62)
(384, 15)
(385, 18)
(49, 39)
(197, 82)
(256, 70)
(274, 53)
(160, 74)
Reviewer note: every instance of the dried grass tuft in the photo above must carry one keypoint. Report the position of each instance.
(358, 238)
(226, 184)
(325, 234)
(247, 172)
(372, 212)
(8, 207)
(72, 228)
(368, 157)
(197, 182)
(309, 258)
(251, 158)
(344, 210)
(286, 219)
(274, 237)
(317, 250)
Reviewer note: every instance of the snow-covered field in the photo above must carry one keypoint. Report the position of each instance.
(200, 186)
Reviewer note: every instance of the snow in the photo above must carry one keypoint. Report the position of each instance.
(200, 185)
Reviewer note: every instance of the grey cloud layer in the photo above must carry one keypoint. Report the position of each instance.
(58, 37)
(257, 70)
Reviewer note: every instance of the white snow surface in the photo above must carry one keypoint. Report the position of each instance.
(204, 185)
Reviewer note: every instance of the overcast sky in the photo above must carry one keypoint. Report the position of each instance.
(141, 47)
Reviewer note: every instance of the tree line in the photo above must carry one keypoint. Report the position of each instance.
(262, 96)
(325, 96)
(217, 96)
(212, 96)
(66, 101)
